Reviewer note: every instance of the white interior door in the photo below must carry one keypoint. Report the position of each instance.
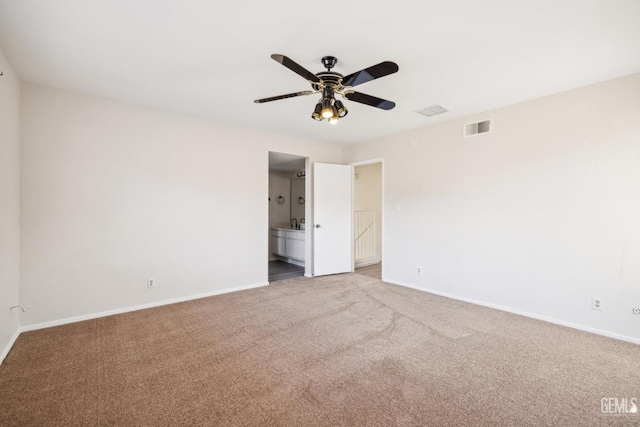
(332, 234)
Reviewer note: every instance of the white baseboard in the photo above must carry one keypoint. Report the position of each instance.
(522, 313)
(7, 349)
(74, 319)
(367, 262)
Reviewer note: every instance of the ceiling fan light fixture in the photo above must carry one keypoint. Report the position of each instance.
(334, 117)
(327, 108)
(341, 110)
(317, 112)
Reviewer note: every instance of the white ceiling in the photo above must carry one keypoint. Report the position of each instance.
(212, 59)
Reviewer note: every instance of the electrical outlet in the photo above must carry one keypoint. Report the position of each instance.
(636, 311)
(151, 283)
(596, 303)
(419, 270)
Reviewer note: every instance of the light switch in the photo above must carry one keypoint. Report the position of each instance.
(397, 207)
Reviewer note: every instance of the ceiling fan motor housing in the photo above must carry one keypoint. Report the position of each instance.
(328, 79)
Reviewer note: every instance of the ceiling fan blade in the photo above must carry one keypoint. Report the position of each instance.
(289, 95)
(296, 68)
(363, 98)
(374, 72)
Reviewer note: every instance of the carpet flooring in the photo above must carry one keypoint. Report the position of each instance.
(329, 351)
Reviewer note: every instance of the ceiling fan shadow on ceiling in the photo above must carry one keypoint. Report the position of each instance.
(329, 84)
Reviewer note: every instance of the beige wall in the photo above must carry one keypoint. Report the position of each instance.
(9, 204)
(113, 194)
(367, 196)
(538, 216)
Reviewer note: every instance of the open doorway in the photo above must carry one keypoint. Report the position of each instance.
(288, 208)
(367, 218)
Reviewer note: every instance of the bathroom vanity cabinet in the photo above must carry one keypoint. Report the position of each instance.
(288, 243)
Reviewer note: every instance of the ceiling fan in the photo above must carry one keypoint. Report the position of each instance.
(330, 83)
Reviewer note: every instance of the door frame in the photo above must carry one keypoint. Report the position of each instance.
(382, 208)
(308, 212)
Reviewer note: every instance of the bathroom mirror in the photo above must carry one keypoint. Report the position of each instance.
(298, 199)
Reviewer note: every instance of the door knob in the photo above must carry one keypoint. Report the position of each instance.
(317, 225)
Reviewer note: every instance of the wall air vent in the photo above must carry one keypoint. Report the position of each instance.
(477, 128)
(434, 110)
